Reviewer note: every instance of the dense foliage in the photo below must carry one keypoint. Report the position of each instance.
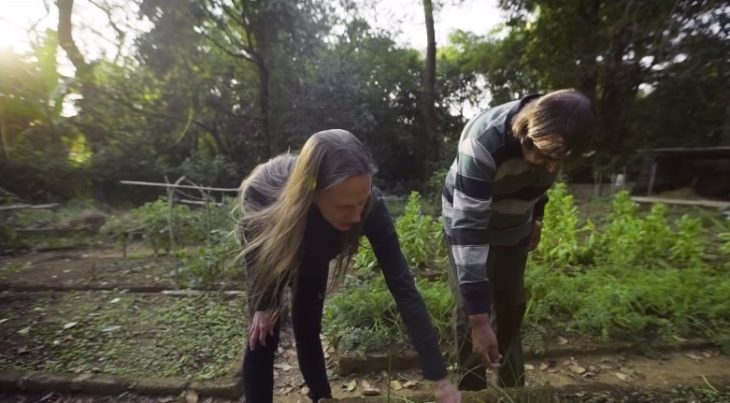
(627, 276)
(210, 88)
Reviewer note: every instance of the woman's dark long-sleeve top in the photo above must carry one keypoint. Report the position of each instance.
(322, 243)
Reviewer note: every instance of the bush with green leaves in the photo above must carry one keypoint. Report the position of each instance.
(725, 246)
(163, 224)
(624, 238)
(365, 318)
(421, 238)
(210, 263)
(625, 303)
(631, 276)
(216, 258)
(559, 242)
(627, 275)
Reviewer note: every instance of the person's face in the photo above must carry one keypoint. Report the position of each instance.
(342, 205)
(533, 156)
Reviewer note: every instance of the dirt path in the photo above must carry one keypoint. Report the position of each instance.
(702, 369)
(687, 376)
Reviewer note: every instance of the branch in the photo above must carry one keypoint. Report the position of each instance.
(120, 33)
(247, 28)
(65, 37)
(226, 50)
(248, 50)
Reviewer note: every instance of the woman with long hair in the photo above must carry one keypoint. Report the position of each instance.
(299, 213)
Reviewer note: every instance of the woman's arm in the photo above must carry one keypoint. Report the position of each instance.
(381, 233)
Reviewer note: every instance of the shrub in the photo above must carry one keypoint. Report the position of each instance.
(421, 239)
(366, 318)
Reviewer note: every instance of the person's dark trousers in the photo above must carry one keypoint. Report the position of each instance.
(506, 269)
(258, 365)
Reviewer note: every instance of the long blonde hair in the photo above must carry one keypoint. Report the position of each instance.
(274, 202)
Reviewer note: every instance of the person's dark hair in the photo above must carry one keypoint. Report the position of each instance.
(556, 123)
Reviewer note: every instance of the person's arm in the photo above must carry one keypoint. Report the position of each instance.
(472, 199)
(381, 233)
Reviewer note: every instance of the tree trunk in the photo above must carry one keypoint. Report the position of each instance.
(84, 75)
(428, 107)
(3, 129)
(66, 40)
(264, 105)
(725, 137)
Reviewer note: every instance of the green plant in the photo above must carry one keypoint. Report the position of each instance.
(626, 275)
(687, 248)
(420, 237)
(210, 263)
(619, 244)
(725, 247)
(162, 225)
(559, 242)
(644, 277)
(365, 318)
(362, 319)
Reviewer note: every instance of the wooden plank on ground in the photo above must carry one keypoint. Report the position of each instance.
(28, 206)
(177, 186)
(721, 205)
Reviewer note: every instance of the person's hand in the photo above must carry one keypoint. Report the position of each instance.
(535, 235)
(261, 326)
(483, 340)
(445, 392)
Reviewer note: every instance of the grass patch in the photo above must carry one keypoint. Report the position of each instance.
(365, 318)
(122, 334)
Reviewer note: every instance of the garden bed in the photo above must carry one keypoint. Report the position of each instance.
(87, 268)
(123, 334)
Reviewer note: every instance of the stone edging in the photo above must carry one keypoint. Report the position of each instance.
(133, 289)
(349, 363)
(14, 381)
(533, 394)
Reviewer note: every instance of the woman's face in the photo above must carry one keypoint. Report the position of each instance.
(342, 205)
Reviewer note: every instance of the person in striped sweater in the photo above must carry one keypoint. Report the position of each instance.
(493, 201)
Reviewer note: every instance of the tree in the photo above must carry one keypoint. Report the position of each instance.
(429, 95)
(37, 143)
(611, 49)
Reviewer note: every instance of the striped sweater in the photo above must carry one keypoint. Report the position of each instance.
(491, 196)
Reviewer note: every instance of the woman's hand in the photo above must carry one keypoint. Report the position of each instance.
(261, 326)
(445, 392)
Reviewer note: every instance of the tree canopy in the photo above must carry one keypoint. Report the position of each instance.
(215, 87)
